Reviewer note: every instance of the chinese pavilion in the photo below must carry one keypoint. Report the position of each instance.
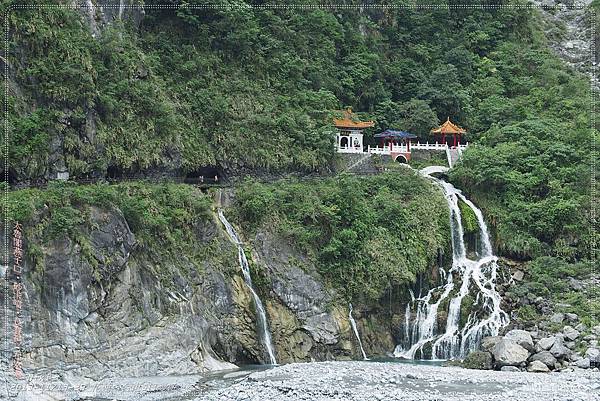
(398, 143)
(449, 128)
(392, 137)
(349, 138)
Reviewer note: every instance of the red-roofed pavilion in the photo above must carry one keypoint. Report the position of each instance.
(350, 137)
(449, 128)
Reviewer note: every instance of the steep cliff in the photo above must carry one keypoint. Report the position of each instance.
(571, 29)
(131, 287)
(141, 279)
(108, 308)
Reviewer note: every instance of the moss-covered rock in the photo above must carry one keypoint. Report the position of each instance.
(478, 360)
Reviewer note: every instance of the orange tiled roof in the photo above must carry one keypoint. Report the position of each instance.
(448, 128)
(348, 122)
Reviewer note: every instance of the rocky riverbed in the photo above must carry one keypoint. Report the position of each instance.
(535, 352)
(333, 381)
(399, 381)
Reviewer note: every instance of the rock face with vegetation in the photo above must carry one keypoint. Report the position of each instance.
(140, 279)
(99, 301)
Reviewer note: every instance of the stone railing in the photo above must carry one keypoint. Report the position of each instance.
(429, 146)
(386, 150)
(349, 149)
(436, 146)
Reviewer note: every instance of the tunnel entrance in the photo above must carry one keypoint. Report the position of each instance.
(12, 176)
(204, 175)
(115, 173)
(401, 159)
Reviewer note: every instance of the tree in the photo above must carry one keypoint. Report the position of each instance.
(418, 118)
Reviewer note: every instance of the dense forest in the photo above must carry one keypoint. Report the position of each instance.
(251, 91)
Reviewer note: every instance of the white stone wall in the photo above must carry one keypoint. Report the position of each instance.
(350, 142)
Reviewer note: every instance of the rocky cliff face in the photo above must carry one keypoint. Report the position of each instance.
(111, 307)
(98, 15)
(308, 320)
(109, 310)
(569, 28)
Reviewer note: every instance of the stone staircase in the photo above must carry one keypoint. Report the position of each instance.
(358, 163)
(453, 155)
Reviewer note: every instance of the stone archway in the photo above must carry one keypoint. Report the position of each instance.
(344, 142)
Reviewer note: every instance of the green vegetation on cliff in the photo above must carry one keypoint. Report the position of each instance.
(250, 90)
(173, 224)
(533, 185)
(568, 287)
(363, 234)
(162, 216)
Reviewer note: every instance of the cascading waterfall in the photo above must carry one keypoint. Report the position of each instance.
(262, 326)
(477, 276)
(353, 324)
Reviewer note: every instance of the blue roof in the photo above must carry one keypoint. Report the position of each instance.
(390, 133)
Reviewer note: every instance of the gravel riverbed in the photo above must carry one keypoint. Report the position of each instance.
(343, 381)
(397, 381)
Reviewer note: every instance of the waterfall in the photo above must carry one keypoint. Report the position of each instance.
(262, 326)
(476, 277)
(353, 324)
(483, 230)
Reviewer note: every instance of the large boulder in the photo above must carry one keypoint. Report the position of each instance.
(537, 366)
(521, 337)
(518, 275)
(593, 354)
(583, 363)
(546, 358)
(557, 318)
(546, 343)
(488, 343)
(575, 284)
(571, 317)
(559, 350)
(509, 353)
(510, 369)
(478, 360)
(570, 333)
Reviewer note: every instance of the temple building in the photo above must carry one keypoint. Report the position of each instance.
(349, 138)
(449, 128)
(397, 144)
(391, 138)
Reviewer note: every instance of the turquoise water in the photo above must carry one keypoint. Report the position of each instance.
(427, 362)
